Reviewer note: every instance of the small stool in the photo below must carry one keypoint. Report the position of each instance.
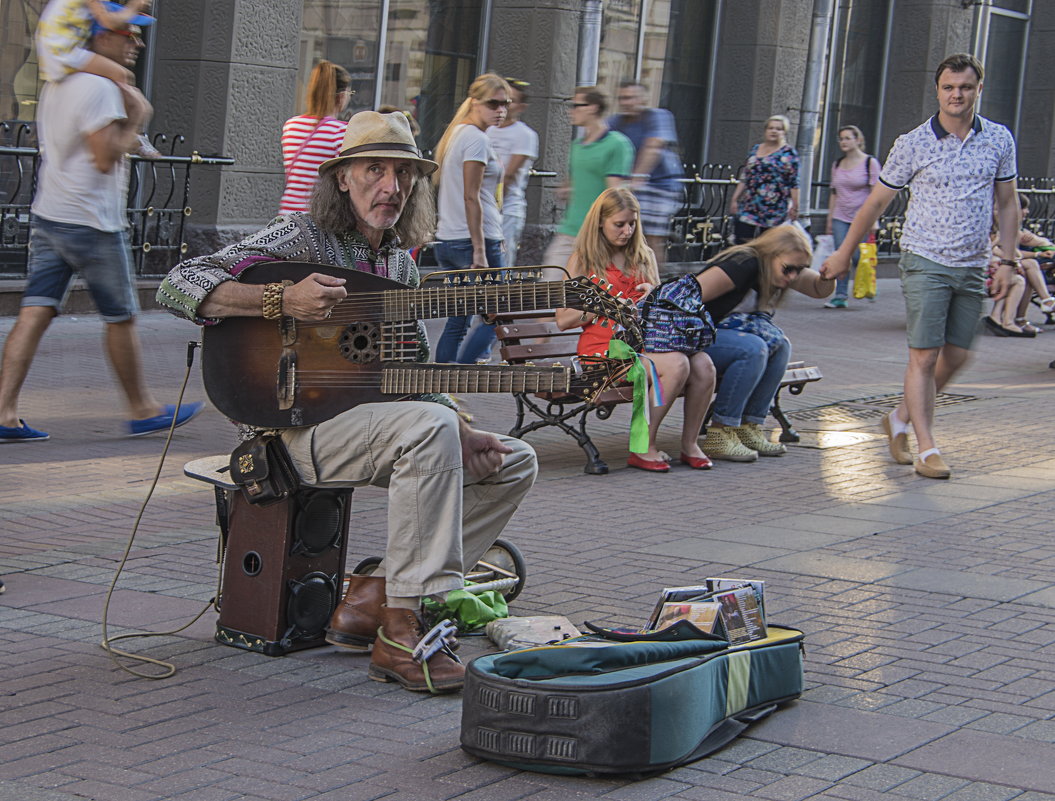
(281, 565)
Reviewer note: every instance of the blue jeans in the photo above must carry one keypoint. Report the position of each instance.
(57, 250)
(457, 254)
(842, 285)
(750, 372)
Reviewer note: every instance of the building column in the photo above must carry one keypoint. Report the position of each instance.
(225, 78)
(538, 41)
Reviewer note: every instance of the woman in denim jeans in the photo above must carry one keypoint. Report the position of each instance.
(469, 232)
(750, 352)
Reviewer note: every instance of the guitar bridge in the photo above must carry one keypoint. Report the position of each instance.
(287, 379)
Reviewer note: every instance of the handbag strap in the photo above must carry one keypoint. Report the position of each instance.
(304, 144)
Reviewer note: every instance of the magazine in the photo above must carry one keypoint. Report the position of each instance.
(671, 595)
(740, 614)
(724, 583)
(729, 607)
(702, 614)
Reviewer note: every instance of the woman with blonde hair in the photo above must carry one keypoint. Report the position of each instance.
(750, 352)
(611, 245)
(469, 232)
(310, 139)
(767, 191)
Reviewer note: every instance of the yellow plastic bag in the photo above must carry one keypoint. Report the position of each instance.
(865, 277)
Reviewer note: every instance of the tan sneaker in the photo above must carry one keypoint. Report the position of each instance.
(751, 435)
(723, 443)
(933, 466)
(898, 443)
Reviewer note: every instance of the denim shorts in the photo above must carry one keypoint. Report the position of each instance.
(942, 304)
(102, 258)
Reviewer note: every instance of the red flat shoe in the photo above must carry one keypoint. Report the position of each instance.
(652, 465)
(697, 462)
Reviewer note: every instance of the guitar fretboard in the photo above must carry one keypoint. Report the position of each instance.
(431, 303)
(414, 379)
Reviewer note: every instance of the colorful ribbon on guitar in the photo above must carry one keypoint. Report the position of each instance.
(639, 377)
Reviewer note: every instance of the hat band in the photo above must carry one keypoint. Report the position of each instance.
(382, 146)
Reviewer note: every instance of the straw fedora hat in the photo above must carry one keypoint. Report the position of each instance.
(371, 134)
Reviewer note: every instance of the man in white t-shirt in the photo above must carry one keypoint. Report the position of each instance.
(86, 126)
(516, 144)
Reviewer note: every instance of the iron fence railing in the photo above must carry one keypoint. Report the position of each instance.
(702, 227)
(159, 204)
(158, 199)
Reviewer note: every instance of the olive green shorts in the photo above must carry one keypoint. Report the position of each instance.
(942, 304)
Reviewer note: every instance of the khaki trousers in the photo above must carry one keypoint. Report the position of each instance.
(440, 521)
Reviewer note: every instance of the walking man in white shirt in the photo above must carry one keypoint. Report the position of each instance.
(79, 224)
(959, 166)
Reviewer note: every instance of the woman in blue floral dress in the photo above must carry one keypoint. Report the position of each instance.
(767, 192)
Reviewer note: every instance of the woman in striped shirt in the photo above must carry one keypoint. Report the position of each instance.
(309, 139)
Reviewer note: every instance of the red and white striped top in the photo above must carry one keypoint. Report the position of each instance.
(324, 143)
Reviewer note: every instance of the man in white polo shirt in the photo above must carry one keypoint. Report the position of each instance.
(958, 165)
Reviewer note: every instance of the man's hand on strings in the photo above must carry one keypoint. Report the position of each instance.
(313, 298)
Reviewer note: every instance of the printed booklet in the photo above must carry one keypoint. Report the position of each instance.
(728, 607)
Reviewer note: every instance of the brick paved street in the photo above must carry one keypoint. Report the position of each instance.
(929, 606)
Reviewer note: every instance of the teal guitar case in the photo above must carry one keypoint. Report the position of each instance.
(608, 703)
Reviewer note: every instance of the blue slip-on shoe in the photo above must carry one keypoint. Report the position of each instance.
(150, 425)
(22, 433)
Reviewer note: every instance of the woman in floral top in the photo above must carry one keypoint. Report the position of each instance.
(767, 193)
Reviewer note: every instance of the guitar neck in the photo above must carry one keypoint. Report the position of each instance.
(416, 379)
(431, 303)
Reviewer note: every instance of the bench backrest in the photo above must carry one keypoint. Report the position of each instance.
(534, 337)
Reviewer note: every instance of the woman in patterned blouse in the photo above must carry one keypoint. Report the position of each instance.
(767, 192)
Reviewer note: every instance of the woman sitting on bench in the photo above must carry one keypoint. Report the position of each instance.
(610, 245)
(750, 352)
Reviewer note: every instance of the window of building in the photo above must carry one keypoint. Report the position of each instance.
(620, 31)
(20, 80)
(678, 61)
(430, 54)
(856, 78)
(1001, 35)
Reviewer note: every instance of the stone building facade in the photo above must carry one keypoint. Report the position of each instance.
(227, 74)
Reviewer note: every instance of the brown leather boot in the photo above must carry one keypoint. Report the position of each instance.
(401, 630)
(356, 618)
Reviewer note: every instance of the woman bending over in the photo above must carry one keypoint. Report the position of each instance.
(610, 245)
(750, 352)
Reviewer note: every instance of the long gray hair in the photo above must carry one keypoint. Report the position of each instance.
(332, 209)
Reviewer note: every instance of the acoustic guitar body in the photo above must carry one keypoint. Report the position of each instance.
(282, 373)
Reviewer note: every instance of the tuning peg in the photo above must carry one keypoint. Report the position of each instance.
(447, 280)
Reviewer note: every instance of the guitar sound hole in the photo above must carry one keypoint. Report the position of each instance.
(360, 343)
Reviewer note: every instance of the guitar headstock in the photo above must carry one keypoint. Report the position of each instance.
(599, 373)
(594, 294)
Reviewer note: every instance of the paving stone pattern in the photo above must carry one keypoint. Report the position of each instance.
(929, 606)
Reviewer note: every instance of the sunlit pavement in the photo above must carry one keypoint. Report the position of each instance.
(928, 605)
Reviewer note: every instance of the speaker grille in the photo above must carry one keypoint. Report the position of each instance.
(318, 524)
(311, 602)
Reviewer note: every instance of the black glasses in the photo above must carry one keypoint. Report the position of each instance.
(494, 103)
(573, 104)
(793, 270)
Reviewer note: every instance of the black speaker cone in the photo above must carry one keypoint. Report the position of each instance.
(311, 602)
(318, 524)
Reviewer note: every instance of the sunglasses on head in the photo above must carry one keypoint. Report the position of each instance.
(494, 103)
(793, 270)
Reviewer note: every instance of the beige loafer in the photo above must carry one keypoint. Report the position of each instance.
(898, 443)
(933, 466)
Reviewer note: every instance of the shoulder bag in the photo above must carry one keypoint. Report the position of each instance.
(673, 318)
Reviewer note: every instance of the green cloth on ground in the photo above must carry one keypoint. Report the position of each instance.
(469, 610)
